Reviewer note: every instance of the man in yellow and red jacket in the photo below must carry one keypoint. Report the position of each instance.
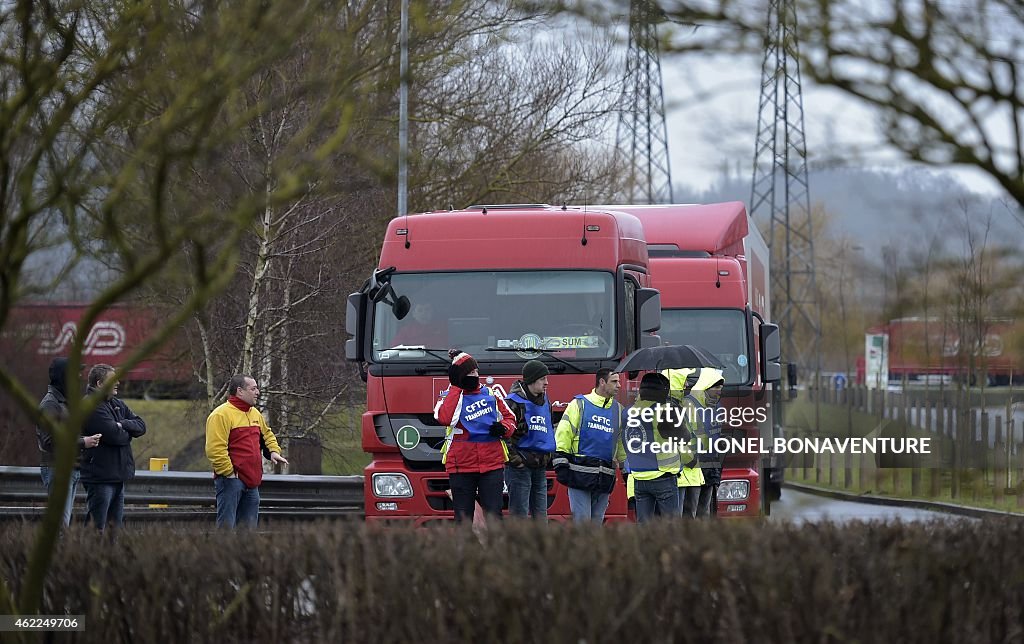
(233, 432)
(474, 453)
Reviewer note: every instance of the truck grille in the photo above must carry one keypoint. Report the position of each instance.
(438, 499)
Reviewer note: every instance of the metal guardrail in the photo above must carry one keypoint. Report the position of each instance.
(191, 495)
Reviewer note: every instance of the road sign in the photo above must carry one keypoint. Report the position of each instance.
(876, 358)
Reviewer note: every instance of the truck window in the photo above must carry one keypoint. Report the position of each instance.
(571, 312)
(723, 332)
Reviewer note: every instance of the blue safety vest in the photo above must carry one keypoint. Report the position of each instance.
(479, 411)
(598, 429)
(638, 435)
(707, 427)
(711, 430)
(539, 435)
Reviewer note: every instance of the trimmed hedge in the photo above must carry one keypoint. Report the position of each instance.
(663, 582)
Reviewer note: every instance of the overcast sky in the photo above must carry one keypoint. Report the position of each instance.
(711, 113)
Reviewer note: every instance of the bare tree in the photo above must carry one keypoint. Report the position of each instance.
(945, 77)
(520, 123)
(844, 315)
(982, 287)
(924, 266)
(498, 113)
(107, 110)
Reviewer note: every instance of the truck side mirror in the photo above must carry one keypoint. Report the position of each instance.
(647, 341)
(771, 342)
(379, 287)
(771, 352)
(648, 311)
(355, 325)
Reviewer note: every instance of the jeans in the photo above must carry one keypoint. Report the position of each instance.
(466, 486)
(659, 495)
(707, 504)
(689, 497)
(47, 474)
(236, 504)
(588, 506)
(105, 502)
(527, 491)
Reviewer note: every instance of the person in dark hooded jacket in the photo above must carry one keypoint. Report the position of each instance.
(106, 467)
(531, 445)
(708, 392)
(55, 406)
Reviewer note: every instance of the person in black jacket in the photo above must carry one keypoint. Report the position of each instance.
(54, 405)
(106, 467)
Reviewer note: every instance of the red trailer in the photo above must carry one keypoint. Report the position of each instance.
(37, 333)
(920, 348)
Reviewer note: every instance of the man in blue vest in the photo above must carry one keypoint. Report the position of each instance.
(531, 445)
(587, 444)
(653, 442)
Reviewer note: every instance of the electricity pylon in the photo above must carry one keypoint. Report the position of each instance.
(780, 194)
(641, 138)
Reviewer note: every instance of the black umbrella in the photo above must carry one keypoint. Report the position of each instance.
(671, 356)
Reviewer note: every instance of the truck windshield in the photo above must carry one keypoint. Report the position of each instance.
(569, 312)
(723, 332)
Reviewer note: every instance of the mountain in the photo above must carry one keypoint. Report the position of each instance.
(903, 210)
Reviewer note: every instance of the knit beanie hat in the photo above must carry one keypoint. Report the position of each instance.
(654, 386)
(462, 364)
(533, 371)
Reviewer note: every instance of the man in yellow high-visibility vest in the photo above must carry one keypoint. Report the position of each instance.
(651, 443)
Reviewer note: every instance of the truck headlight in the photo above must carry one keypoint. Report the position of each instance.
(391, 485)
(733, 490)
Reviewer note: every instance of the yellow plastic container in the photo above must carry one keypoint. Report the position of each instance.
(158, 465)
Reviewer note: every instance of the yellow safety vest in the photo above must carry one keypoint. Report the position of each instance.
(693, 476)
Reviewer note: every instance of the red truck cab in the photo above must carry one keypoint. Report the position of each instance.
(507, 284)
(710, 265)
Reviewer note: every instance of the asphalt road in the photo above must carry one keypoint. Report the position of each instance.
(802, 507)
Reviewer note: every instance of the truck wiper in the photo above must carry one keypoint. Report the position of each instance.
(548, 352)
(440, 354)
